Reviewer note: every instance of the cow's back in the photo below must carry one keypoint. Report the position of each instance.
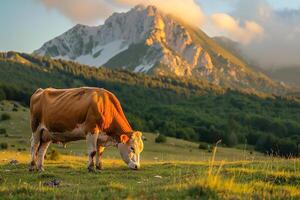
(62, 109)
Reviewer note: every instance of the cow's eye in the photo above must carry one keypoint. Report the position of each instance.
(132, 149)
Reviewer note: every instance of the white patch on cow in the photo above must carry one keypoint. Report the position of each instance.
(41, 154)
(100, 151)
(91, 140)
(105, 140)
(124, 152)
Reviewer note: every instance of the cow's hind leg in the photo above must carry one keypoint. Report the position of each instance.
(45, 140)
(92, 144)
(100, 150)
(35, 142)
(41, 155)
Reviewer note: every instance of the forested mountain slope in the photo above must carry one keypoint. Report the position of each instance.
(189, 109)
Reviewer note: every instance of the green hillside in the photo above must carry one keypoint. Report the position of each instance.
(188, 109)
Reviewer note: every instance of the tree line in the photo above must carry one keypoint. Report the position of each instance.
(189, 109)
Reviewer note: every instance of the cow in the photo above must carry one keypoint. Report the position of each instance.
(86, 113)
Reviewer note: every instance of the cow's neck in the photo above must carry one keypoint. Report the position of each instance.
(120, 125)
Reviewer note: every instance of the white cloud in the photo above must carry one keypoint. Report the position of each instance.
(81, 11)
(281, 42)
(187, 10)
(232, 28)
(91, 11)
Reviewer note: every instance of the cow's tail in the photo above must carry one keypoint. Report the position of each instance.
(34, 123)
(34, 117)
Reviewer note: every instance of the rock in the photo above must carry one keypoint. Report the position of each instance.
(158, 176)
(52, 183)
(13, 162)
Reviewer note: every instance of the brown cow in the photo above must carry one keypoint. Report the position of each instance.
(64, 115)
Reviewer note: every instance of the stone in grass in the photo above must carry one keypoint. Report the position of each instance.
(52, 183)
(13, 162)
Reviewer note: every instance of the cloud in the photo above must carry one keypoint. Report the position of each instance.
(190, 12)
(81, 11)
(231, 27)
(92, 11)
(281, 42)
(187, 10)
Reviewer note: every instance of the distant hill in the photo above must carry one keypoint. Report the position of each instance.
(288, 75)
(146, 40)
(190, 109)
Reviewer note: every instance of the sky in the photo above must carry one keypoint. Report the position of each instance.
(27, 24)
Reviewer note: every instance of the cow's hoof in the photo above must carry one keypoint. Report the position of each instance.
(100, 167)
(31, 166)
(91, 169)
(31, 169)
(41, 170)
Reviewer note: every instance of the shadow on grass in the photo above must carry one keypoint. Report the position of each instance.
(192, 192)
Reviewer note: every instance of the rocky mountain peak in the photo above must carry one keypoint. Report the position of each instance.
(146, 40)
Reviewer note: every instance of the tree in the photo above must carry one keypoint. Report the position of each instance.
(287, 147)
(161, 139)
(2, 95)
(230, 139)
(253, 137)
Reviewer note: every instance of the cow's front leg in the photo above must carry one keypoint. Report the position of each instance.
(92, 144)
(41, 155)
(100, 150)
(35, 142)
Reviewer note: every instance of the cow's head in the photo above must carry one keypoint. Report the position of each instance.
(130, 149)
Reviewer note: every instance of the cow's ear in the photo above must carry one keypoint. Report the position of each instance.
(137, 134)
(124, 138)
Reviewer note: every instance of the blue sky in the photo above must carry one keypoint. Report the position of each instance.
(211, 6)
(27, 24)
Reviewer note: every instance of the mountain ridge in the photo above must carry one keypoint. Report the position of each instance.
(146, 40)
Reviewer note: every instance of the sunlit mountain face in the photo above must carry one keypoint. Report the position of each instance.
(145, 40)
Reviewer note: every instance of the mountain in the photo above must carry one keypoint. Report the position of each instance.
(146, 40)
(237, 49)
(288, 75)
(229, 44)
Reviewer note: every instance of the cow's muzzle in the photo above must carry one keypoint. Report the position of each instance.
(133, 166)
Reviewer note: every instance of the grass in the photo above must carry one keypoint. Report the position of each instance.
(176, 169)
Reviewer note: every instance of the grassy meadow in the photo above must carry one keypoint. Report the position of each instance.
(176, 169)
